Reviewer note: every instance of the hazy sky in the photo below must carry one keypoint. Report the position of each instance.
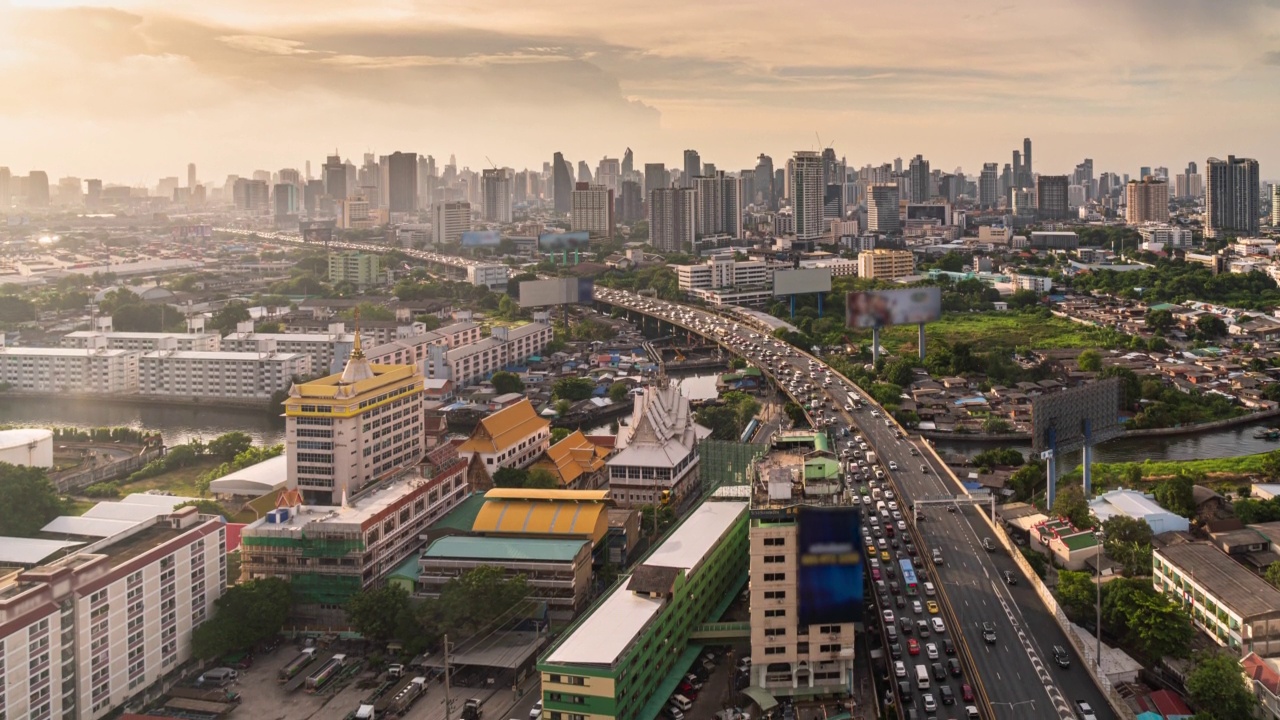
(130, 90)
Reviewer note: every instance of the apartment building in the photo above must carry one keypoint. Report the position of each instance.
(222, 374)
(658, 450)
(1035, 283)
(723, 272)
(882, 264)
(414, 349)
(143, 341)
(96, 370)
(328, 553)
(472, 363)
(513, 437)
(346, 431)
(328, 351)
(493, 277)
(1232, 605)
(82, 635)
(359, 269)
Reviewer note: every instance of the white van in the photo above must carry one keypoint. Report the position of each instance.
(685, 704)
(922, 677)
(217, 677)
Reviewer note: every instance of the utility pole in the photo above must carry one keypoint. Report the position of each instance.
(448, 697)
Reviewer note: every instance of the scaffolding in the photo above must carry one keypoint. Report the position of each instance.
(321, 589)
(722, 462)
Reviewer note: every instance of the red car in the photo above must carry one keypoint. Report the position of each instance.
(875, 573)
(966, 692)
(913, 646)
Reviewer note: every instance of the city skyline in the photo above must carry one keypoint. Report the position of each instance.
(237, 87)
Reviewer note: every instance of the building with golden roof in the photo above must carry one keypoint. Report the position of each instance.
(513, 437)
(527, 512)
(349, 430)
(577, 463)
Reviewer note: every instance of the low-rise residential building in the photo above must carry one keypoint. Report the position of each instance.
(109, 622)
(513, 437)
(1232, 605)
(1262, 677)
(1169, 236)
(1034, 283)
(1139, 506)
(1069, 545)
(357, 268)
(328, 351)
(94, 371)
(658, 451)
(505, 346)
(1054, 240)
(885, 264)
(221, 374)
(143, 341)
(611, 662)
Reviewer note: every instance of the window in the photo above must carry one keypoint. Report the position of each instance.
(775, 650)
(775, 558)
(775, 632)
(834, 648)
(775, 577)
(775, 612)
(775, 594)
(775, 541)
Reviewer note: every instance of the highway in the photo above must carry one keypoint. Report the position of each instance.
(1017, 671)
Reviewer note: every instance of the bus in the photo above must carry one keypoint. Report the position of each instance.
(908, 576)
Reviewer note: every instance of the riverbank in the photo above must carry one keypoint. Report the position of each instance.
(1005, 438)
(192, 401)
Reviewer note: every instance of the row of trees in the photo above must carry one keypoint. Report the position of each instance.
(1146, 621)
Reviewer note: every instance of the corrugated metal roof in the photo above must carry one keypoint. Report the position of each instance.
(520, 517)
(504, 548)
(88, 527)
(30, 551)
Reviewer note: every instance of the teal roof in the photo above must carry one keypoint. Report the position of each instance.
(407, 569)
(458, 547)
(462, 517)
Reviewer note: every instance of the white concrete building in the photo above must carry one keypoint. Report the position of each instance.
(1035, 283)
(328, 351)
(513, 437)
(1138, 506)
(506, 346)
(658, 450)
(725, 272)
(229, 375)
(82, 635)
(450, 220)
(142, 341)
(493, 277)
(96, 370)
(1169, 236)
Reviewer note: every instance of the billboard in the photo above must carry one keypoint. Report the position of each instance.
(1060, 420)
(880, 308)
(799, 282)
(187, 232)
(559, 242)
(830, 565)
(480, 238)
(560, 291)
(317, 231)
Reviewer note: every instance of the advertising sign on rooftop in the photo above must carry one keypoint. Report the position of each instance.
(830, 565)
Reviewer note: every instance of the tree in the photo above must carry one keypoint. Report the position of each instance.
(795, 413)
(559, 433)
(541, 479)
(1211, 326)
(1176, 494)
(226, 319)
(1130, 386)
(510, 477)
(1273, 574)
(996, 426)
(573, 388)
(619, 391)
(1024, 299)
(227, 446)
(1216, 686)
(376, 613)
(1027, 480)
(1271, 464)
(505, 381)
(999, 456)
(1128, 542)
(481, 598)
(899, 372)
(1160, 322)
(1070, 504)
(28, 501)
(562, 407)
(247, 614)
(737, 363)
(1077, 593)
(1159, 627)
(1090, 360)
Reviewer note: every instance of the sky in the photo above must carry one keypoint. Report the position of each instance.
(133, 90)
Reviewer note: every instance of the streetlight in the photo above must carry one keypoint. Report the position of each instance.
(1102, 536)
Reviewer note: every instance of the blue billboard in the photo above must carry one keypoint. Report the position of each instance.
(480, 238)
(559, 242)
(830, 562)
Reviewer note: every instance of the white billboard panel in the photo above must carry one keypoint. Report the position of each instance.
(801, 281)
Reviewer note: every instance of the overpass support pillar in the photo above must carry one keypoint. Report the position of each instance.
(1088, 471)
(921, 341)
(1051, 471)
(875, 345)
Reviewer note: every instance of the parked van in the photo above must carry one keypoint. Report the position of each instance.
(922, 677)
(681, 702)
(217, 677)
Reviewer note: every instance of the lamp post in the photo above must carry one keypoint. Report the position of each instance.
(1102, 536)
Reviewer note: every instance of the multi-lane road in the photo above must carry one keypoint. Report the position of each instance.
(1017, 671)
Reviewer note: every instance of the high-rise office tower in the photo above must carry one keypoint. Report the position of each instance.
(631, 202)
(672, 219)
(1144, 171)
(286, 199)
(897, 166)
(655, 177)
(832, 203)
(402, 182)
(709, 214)
(628, 162)
(609, 174)
(6, 188)
(882, 208)
(709, 169)
(92, 195)
(692, 168)
(1275, 205)
(1191, 168)
(496, 183)
(335, 177)
(1026, 162)
(807, 194)
(562, 184)
(765, 193)
(592, 210)
(989, 186)
(37, 189)
(731, 195)
(191, 175)
(1051, 197)
(918, 171)
(451, 219)
(520, 187)
(584, 172)
(1231, 197)
(290, 176)
(1146, 200)
(311, 194)
(1015, 174)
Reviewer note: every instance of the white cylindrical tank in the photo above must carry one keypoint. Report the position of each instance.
(32, 447)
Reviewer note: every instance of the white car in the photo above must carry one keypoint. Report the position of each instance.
(931, 651)
(899, 669)
(916, 607)
(893, 465)
(536, 712)
(888, 617)
(938, 627)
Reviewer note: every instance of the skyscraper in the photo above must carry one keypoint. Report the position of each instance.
(882, 208)
(335, 177)
(731, 195)
(1026, 162)
(402, 182)
(672, 219)
(1146, 200)
(37, 189)
(191, 175)
(988, 186)
(496, 186)
(918, 171)
(764, 182)
(1275, 205)
(311, 194)
(562, 185)
(609, 174)
(6, 188)
(807, 194)
(451, 219)
(1231, 197)
(584, 172)
(592, 210)
(655, 177)
(631, 202)
(692, 168)
(628, 163)
(1051, 197)
(709, 208)
(92, 196)
(286, 199)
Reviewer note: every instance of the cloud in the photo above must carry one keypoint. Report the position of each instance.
(264, 44)
(1273, 57)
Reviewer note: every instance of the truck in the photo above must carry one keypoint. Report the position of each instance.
(401, 698)
(294, 666)
(471, 709)
(871, 458)
(317, 680)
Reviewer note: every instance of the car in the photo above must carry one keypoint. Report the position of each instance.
(893, 465)
(875, 573)
(922, 628)
(937, 557)
(913, 646)
(930, 705)
(906, 625)
(1086, 710)
(895, 651)
(939, 672)
(966, 692)
(944, 692)
(1010, 578)
(888, 494)
(932, 606)
(884, 555)
(971, 712)
(904, 688)
(902, 525)
(888, 617)
(931, 651)
(1061, 656)
(924, 468)
(916, 607)
(988, 544)
(989, 633)
(938, 626)
(953, 667)
(900, 669)
(891, 632)
(675, 713)
(948, 647)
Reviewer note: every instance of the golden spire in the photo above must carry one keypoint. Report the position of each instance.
(357, 351)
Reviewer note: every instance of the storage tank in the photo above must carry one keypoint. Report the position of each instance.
(31, 447)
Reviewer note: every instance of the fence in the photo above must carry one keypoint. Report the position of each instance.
(80, 479)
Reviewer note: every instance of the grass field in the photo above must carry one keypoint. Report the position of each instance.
(1216, 470)
(179, 482)
(1007, 329)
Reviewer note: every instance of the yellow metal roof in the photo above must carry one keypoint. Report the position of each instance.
(328, 386)
(540, 494)
(538, 517)
(504, 428)
(573, 457)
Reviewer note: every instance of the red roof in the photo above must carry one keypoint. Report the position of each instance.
(233, 536)
(1169, 704)
(1258, 669)
(604, 441)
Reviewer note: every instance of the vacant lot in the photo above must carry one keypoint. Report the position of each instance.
(180, 482)
(1005, 329)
